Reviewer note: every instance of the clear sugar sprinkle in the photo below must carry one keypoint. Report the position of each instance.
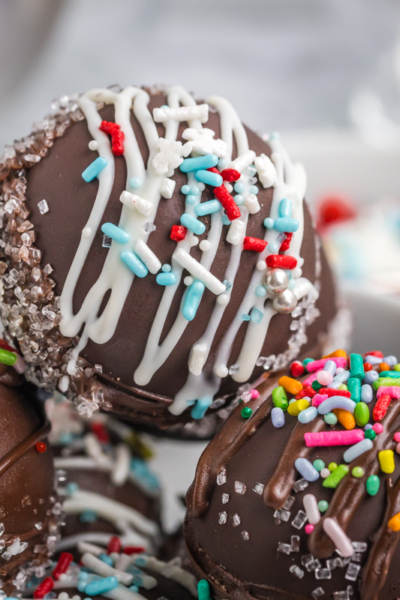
(221, 477)
(352, 572)
(43, 207)
(282, 515)
(245, 535)
(323, 574)
(297, 571)
(236, 520)
(258, 488)
(295, 543)
(318, 593)
(240, 488)
(300, 485)
(223, 517)
(285, 548)
(300, 520)
(225, 498)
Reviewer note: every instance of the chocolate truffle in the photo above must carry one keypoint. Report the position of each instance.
(158, 254)
(300, 499)
(107, 486)
(29, 508)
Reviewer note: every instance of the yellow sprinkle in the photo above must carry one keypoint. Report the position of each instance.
(336, 354)
(291, 385)
(386, 460)
(394, 523)
(295, 408)
(345, 418)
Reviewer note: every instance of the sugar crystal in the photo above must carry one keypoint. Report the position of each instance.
(352, 572)
(300, 485)
(225, 498)
(223, 517)
(289, 503)
(106, 243)
(297, 571)
(43, 207)
(285, 548)
(258, 488)
(323, 574)
(359, 546)
(318, 593)
(221, 477)
(341, 596)
(295, 543)
(282, 515)
(245, 535)
(236, 520)
(300, 519)
(240, 488)
(149, 227)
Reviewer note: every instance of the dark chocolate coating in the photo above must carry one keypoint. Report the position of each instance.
(251, 452)
(26, 476)
(58, 179)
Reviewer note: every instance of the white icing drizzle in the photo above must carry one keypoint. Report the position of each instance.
(165, 155)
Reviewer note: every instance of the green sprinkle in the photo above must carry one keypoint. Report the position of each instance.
(316, 386)
(7, 358)
(356, 366)
(330, 419)
(332, 466)
(357, 472)
(390, 374)
(279, 397)
(372, 484)
(369, 434)
(203, 590)
(319, 464)
(246, 412)
(361, 414)
(397, 367)
(323, 505)
(336, 476)
(354, 387)
(343, 387)
(306, 361)
(292, 400)
(386, 381)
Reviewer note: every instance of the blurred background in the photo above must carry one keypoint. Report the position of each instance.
(324, 73)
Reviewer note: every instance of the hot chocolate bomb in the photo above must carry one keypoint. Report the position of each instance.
(286, 504)
(139, 283)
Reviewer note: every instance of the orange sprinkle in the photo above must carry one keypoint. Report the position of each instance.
(345, 418)
(394, 523)
(384, 367)
(337, 354)
(290, 385)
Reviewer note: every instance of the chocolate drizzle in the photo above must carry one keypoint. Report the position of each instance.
(23, 447)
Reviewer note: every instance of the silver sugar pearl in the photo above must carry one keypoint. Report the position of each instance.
(276, 281)
(285, 302)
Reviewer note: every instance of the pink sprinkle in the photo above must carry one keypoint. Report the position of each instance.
(334, 438)
(319, 399)
(319, 364)
(324, 378)
(378, 428)
(392, 391)
(309, 528)
(309, 380)
(396, 436)
(254, 394)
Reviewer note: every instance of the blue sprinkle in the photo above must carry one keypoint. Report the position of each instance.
(208, 208)
(374, 360)
(390, 360)
(135, 183)
(334, 385)
(185, 189)
(370, 376)
(166, 279)
(225, 220)
(193, 224)
(260, 291)
(268, 223)
(209, 178)
(238, 187)
(222, 164)
(133, 588)
(101, 586)
(201, 406)
(72, 487)
(254, 190)
(165, 106)
(105, 558)
(277, 417)
(306, 469)
(274, 247)
(238, 199)
(245, 317)
(166, 268)
(194, 190)
(94, 169)
(336, 402)
(330, 367)
(342, 377)
(190, 199)
(134, 264)
(115, 233)
(286, 224)
(66, 438)
(200, 162)
(227, 284)
(192, 300)
(368, 426)
(307, 415)
(285, 208)
(256, 315)
(366, 393)
(88, 516)
(140, 561)
(355, 451)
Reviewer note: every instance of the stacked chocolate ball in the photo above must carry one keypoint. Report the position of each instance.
(159, 263)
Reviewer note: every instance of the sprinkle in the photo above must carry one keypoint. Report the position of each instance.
(319, 399)
(266, 170)
(372, 485)
(208, 177)
(230, 206)
(324, 378)
(391, 374)
(243, 161)
(381, 407)
(203, 590)
(167, 188)
(284, 247)
(345, 418)
(367, 393)
(230, 175)
(134, 264)
(43, 207)
(117, 136)
(94, 169)
(290, 385)
(198, 271)
(135, 183)
(281, 261)
(338, 537)
(296, 407)
(199, 163)
(307, 391)
(62, 566)
(386, 461)
(203, 142)
(357, 472)
(279, 397)
(8, 358)
(132, 201)
(182, 113)
(336, 402)
(115, 233)
(378, 428)
(316, 365)
(323, 505)
(166, 279)
(361, 414)
(252, 204)
(41, 447)
(192, 300)
(193, 224)
(385, 381)
(354, 386)
(178, 233)
(246, 412)
(393, 392)
(307, 415)
(309, 529)
(101, 586)
(277, 417)
(306, 469)
(311, 507)
(296, 368)
(333, 438)
(207, 208)
(370, 434)
(236, 232)
(148, 257)
(357, 450)
(336, 477)
(330, 419)
(251, 243)
(394, 523)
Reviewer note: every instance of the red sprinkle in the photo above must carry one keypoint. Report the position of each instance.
(230, 175)
(41, 447)
(231, 208)
(5, 346)
(296, 369)
(307, 392)
(114, 545)
(283, 262)
(44, 588)
(214, 170)
(331, 392)
(100, 432)
(376, 353)
(367, 367)
(133, 550)
(62, 566)
(252, 243)
(178, 233)
(286, 242)
(381, 406)
(117, 136)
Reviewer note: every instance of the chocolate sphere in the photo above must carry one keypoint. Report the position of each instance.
(134, 282)
(307, 510)
(29, 510)
(107, 486)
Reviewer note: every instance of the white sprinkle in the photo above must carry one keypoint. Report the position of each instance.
(198, 271)
(167, 188)
(221, 371)
(243, 161)
(135, 202)
(189, 280)
(86, 232)
(338, 537)
(261, 265)
(198, 357)
(147, 256)
(63, 383)
(183, 113)
(93, 145)
(43, 207)
(205, 245)
(252, 204)
(266, 170)
(203, 142)
(236, 232)
(311, 508)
